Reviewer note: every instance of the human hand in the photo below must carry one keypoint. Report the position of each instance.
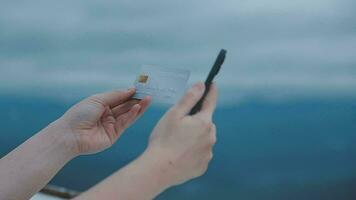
(96, 122)
(180, 144)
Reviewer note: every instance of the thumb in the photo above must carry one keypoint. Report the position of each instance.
(190, 98)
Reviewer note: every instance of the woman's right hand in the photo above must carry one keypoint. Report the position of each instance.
(179, 149)
(181, 145)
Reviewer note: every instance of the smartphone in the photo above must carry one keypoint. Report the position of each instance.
(213, 72)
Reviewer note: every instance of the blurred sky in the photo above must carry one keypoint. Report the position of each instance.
(276, 48)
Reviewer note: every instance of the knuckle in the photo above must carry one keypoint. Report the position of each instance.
(204, 124)
(204, 168)
(95, 99)
(212, 138)
(213, 127)
(208, 125)
(211, 155)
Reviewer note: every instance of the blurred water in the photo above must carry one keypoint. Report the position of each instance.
(293, 150)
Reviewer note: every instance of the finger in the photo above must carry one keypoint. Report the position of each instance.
(124, 120)
(114, 98)
(144, 103)
(209, 104)
(124, 107)
(190, 98)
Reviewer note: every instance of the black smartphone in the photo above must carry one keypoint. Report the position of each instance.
(213, 72)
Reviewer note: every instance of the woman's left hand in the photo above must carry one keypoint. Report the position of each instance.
(95, 123)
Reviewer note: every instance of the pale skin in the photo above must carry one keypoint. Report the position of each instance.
(179, 149)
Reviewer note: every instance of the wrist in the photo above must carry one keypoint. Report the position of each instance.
(61, 139)
(159, 168)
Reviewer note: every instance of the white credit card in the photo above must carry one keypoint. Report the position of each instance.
(164, 85)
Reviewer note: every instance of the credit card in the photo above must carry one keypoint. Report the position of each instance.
(162, 84)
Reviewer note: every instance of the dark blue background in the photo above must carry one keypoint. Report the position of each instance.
(302, 149)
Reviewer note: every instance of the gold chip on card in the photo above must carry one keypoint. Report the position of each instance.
(142, 79)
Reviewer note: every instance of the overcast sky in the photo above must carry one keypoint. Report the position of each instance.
(276, 48)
